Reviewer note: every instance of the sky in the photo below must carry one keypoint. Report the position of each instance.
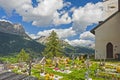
(72, 20)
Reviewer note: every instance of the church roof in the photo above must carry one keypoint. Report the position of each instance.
(93, 30)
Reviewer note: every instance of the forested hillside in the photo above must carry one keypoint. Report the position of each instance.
(10, 43)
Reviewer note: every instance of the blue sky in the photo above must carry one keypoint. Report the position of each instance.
(71, 19)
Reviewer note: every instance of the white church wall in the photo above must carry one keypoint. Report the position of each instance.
(108, 32)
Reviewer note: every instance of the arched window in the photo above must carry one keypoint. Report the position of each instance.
(109, 50)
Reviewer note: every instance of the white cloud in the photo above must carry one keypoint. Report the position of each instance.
(62, 33)
(10, 5)
(72, 9)
(68, 4)
(64, 19)
(79, 42)
(87, 36)
(41, 15)
(85, 16)
(45, 12)
(86, 39)
(4, 17)
(48, 7)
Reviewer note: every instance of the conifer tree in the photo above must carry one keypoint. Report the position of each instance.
(53, 47)
(23, 56)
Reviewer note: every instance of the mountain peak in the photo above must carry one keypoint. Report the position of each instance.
(19, 29)
(9, 27)
(42, 39)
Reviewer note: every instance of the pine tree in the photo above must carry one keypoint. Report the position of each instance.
(53, 47)
(23, 56)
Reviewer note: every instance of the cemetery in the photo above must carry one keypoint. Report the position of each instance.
(64, 68)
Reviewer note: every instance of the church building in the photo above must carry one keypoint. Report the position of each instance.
(107, 33)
